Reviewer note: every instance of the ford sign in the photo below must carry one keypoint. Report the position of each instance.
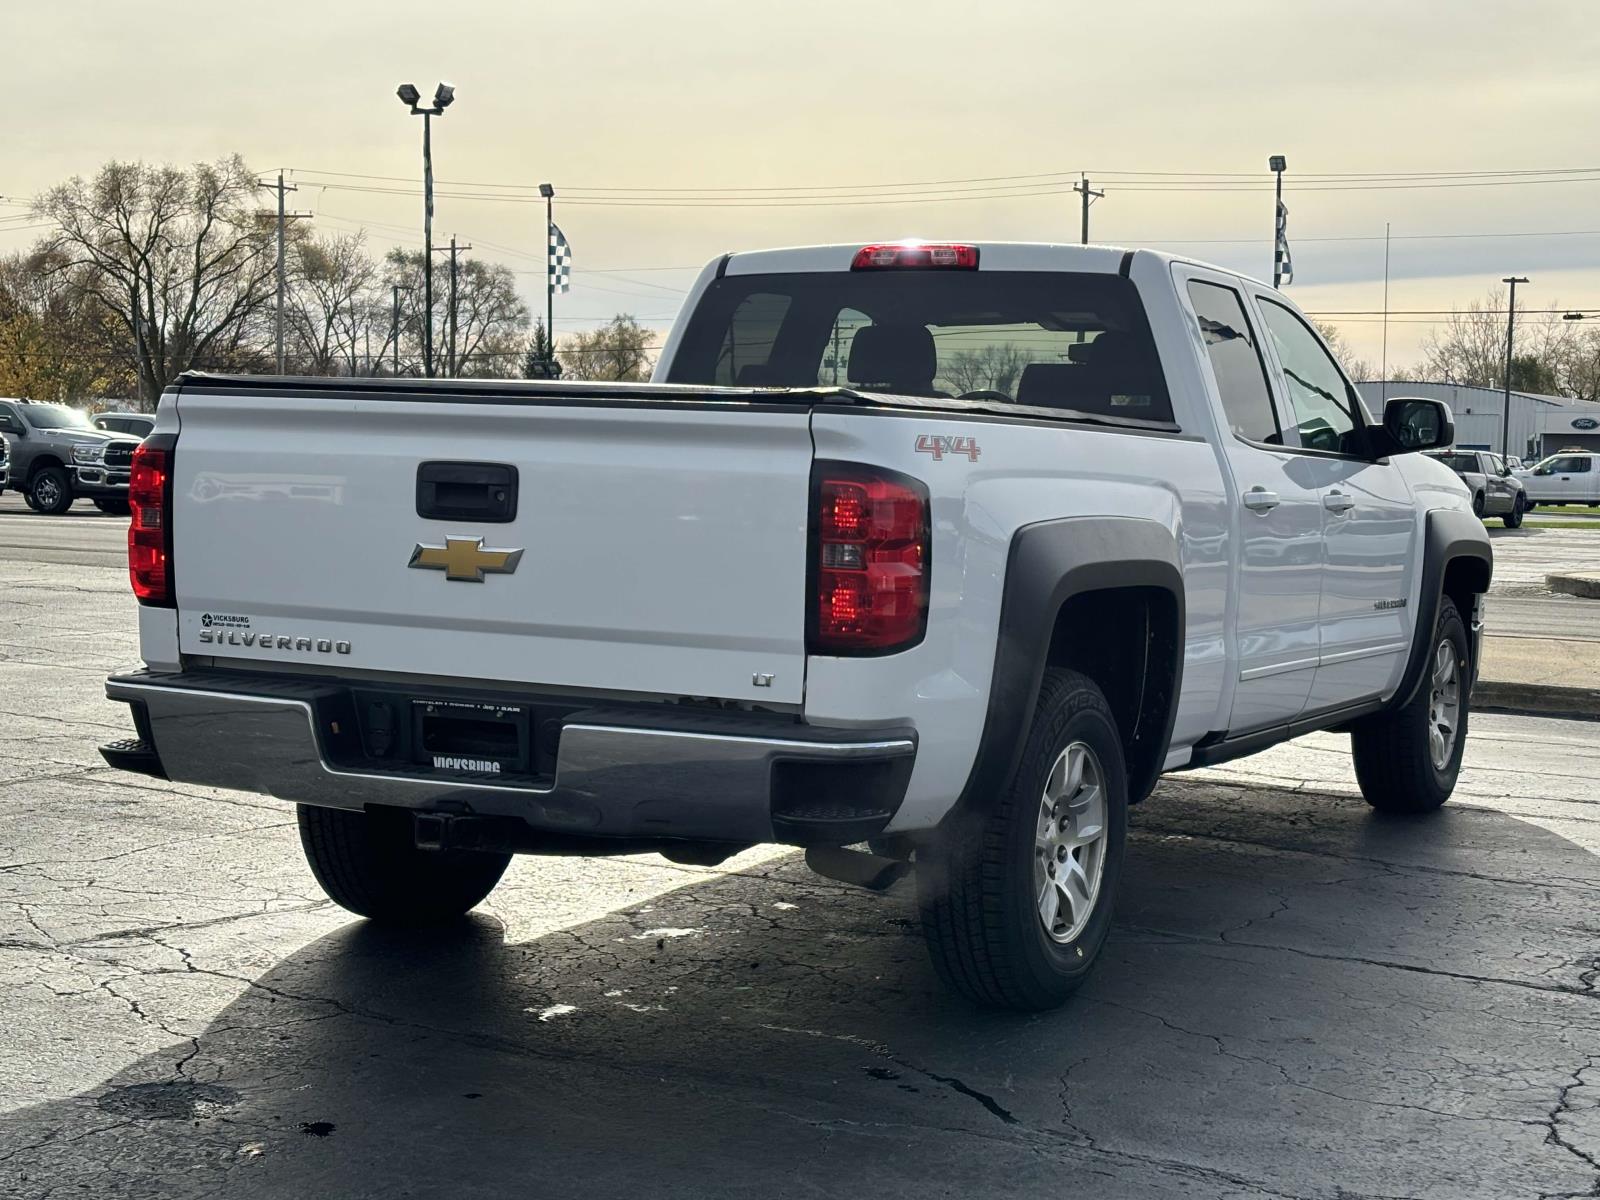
(1585, 423)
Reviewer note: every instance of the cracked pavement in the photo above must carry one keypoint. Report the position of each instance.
(1299, 999)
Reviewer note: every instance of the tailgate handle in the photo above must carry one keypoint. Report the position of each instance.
(467, 491)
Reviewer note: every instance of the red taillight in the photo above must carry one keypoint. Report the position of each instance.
(150, 531)
(870, 565)
(929, 255)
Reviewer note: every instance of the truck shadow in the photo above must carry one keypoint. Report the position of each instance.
(1297, 998)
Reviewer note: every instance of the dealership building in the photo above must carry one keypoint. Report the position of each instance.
(1540, 425)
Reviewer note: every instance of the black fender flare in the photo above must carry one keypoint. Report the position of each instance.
(1448, 536)
(1048, 564)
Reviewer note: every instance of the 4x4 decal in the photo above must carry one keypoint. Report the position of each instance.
(939, 445)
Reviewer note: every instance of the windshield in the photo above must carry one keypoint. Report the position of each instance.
(54, 416)
(1037, 338)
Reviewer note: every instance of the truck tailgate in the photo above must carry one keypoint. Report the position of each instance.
(663, 547)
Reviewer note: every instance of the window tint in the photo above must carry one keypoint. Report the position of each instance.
(1573, 465)
(1321, 400)
(747, 344)
(1046, 339)
(1236, 362)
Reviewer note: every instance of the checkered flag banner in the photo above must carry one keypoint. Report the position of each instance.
(560, 260)
(1283, 267)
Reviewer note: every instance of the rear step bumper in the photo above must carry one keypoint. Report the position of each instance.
(640, 772)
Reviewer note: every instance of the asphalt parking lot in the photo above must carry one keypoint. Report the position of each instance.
(1299, 999)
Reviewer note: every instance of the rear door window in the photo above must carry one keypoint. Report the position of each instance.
(1236, 363)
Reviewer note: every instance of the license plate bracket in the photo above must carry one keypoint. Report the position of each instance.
(472, 738)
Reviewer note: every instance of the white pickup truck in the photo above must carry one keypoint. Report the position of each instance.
(950, 549)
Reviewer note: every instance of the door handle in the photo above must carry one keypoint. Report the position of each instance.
(1259, 500)
(1338, 502)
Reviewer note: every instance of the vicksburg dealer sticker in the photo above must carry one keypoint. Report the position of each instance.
(223, 621)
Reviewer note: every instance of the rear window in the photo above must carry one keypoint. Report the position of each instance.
(1074, 342)
(1459, 462)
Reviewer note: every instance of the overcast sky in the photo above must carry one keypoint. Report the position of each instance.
(702, 94)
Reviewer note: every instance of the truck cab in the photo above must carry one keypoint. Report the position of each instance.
(1566, 477)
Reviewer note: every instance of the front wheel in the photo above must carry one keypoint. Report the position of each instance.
(1513, 518)
(50, 492)
(1477, 504)
(368, 862)
(113, 508)
(1016, 899)
(1407, 759)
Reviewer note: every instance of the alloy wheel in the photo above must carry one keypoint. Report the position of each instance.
(1069, 848)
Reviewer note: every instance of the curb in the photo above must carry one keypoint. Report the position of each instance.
(1536, 699)
(1587, 586)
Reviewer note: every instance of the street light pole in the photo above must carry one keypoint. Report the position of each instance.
(548, 191)
(1511, 326)
(1277, 164)
(427, 243)
(443, 96)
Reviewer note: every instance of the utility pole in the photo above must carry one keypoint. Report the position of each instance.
(283, 218)
(1089, 197)
(394, 328)
(450, 364)
(1511, 326)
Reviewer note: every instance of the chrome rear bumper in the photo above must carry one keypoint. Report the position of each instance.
(624, 773)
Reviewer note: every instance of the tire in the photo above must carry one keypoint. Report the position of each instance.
(367, 862)
(1513, 519)
(113, 508)
(1398, 763)
(982, 882)
(1477, 504)
(50, 491)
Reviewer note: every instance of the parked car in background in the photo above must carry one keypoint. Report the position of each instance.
(1496, 491)
(5, 464)
(137, 424)
(57, 457)
(1570, 477)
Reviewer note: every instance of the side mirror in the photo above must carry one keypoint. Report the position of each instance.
(1412, 423)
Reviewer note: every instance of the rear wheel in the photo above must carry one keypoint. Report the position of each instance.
(50, 491)
(1407, 759)
(1513, 518)
(1017, 900)
(368, 862)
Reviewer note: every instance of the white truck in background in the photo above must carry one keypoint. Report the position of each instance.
(952, 549)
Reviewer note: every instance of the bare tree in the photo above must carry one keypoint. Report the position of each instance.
(619, 350)
(491, 318)
(181, 260)
(995, 367)
(1359, 369)
(332, 303)
(1471, 347)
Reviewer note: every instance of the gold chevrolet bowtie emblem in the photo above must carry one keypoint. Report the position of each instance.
(465, 559)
